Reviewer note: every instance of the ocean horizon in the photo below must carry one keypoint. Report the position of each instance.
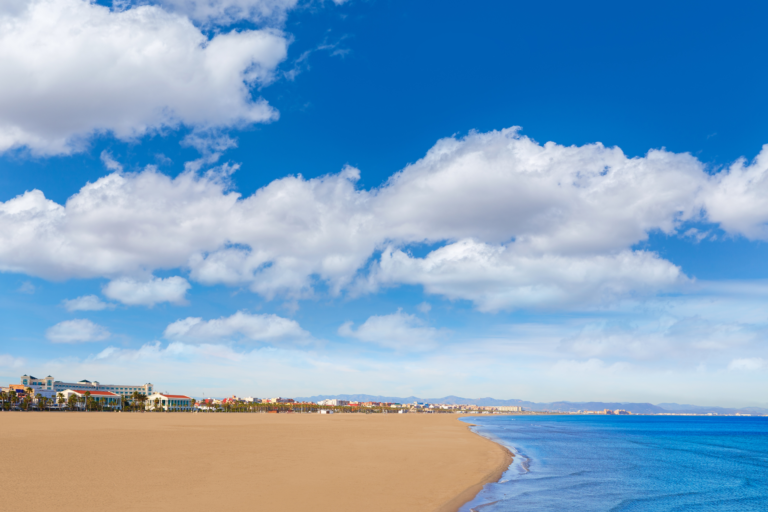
(627, 463)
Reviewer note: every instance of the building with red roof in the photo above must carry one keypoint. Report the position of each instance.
(103, 398)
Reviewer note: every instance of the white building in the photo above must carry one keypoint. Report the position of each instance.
(333, 402)
(103, 398)
(510, 408)
(170, 402)
(51, 384)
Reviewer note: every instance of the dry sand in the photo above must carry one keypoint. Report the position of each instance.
(110, 462)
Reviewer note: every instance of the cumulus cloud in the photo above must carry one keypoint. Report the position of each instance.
(498, 277)
(148, 293)
(80, 69)
(86, 303)
(748, 364)
(399, 331)
(240, 326)
(515, 224)
(736, 198)
(76, 331)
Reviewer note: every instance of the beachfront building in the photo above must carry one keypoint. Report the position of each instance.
(170, 402)
(56, 386)
(277, 400)
(333, 402)
(102, 398)
(509, 408)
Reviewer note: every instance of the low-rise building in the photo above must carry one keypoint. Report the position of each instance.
(163, 402)
(509, 408)
(277, 400)
(102, 398)
(333, 402)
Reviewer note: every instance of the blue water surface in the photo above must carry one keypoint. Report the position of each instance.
(628, 463)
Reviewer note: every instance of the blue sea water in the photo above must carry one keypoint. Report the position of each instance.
(628, 463)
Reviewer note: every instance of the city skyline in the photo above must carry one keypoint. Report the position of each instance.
(346, 197)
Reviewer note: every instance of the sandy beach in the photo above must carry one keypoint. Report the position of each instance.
(232, 462)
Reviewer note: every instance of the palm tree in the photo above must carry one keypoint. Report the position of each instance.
(72, 401)
(3, 399)
(143, 400)
(157, 404)
(87, 400)
(61, 400)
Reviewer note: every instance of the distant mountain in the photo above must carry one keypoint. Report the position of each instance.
(636, 408)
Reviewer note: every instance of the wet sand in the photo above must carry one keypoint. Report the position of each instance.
(236, 462)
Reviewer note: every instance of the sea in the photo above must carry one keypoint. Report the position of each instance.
(628, 463)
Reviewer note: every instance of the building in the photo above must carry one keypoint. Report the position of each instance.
(51, 384)
(103, 398)
(170, 402)
(509, 408)
(277, 400)
(333, 402)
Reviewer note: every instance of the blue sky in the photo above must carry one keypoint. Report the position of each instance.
(263, 197)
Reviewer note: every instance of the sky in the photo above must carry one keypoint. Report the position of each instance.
(542, 201)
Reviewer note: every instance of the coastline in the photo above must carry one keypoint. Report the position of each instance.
(493, 476)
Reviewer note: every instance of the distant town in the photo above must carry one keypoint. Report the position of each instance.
(48, 394)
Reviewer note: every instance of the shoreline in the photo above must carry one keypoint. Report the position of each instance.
(493, 476)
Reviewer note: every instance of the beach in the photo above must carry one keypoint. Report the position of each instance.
(75, 461)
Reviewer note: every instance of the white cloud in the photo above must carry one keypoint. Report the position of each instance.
(8, 361)
(516, 224)
(224, 12)
(110, 163)
(240, 326)
(75, 331)
(80, 69)
(498, 186)
(500, 277)
(86, 303)
(748, 364)
(424, 307)
(736, 198)
(27, 287)
(148, 293)
(399, 331)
